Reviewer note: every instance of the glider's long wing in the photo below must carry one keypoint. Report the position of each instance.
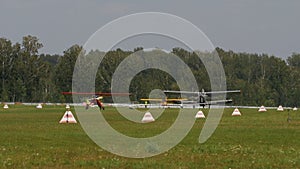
(208, 102)
(159, 100)
(219, 101)
(176, 100)
(182, 92)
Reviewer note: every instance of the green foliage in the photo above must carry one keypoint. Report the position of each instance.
(64, 71)
(27, 76)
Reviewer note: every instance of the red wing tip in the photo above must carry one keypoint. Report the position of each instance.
(95, 93)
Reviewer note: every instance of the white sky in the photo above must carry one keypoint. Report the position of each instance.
(256, 26)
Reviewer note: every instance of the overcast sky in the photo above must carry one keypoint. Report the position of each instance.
(256, 26)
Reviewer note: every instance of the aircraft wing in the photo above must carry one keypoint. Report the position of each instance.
(176, 100)
(189, 102)
(181, 92)
(96, 93)
(221, 92)
(219, 101)
(212, 92)
(159, 100)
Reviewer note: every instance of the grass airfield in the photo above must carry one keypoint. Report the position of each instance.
(33, 138)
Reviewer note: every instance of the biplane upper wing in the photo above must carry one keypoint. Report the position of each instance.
(203, 92)
(221, 92)
(96, 93)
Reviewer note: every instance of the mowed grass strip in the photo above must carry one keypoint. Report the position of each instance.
(33, 138)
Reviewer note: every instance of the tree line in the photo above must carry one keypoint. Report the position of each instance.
(28, 76)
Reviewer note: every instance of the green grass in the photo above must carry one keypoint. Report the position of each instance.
(33, 138)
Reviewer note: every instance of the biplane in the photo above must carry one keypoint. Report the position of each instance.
(201, 98)
(96, 98)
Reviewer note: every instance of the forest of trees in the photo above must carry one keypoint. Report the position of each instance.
(28, 76)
